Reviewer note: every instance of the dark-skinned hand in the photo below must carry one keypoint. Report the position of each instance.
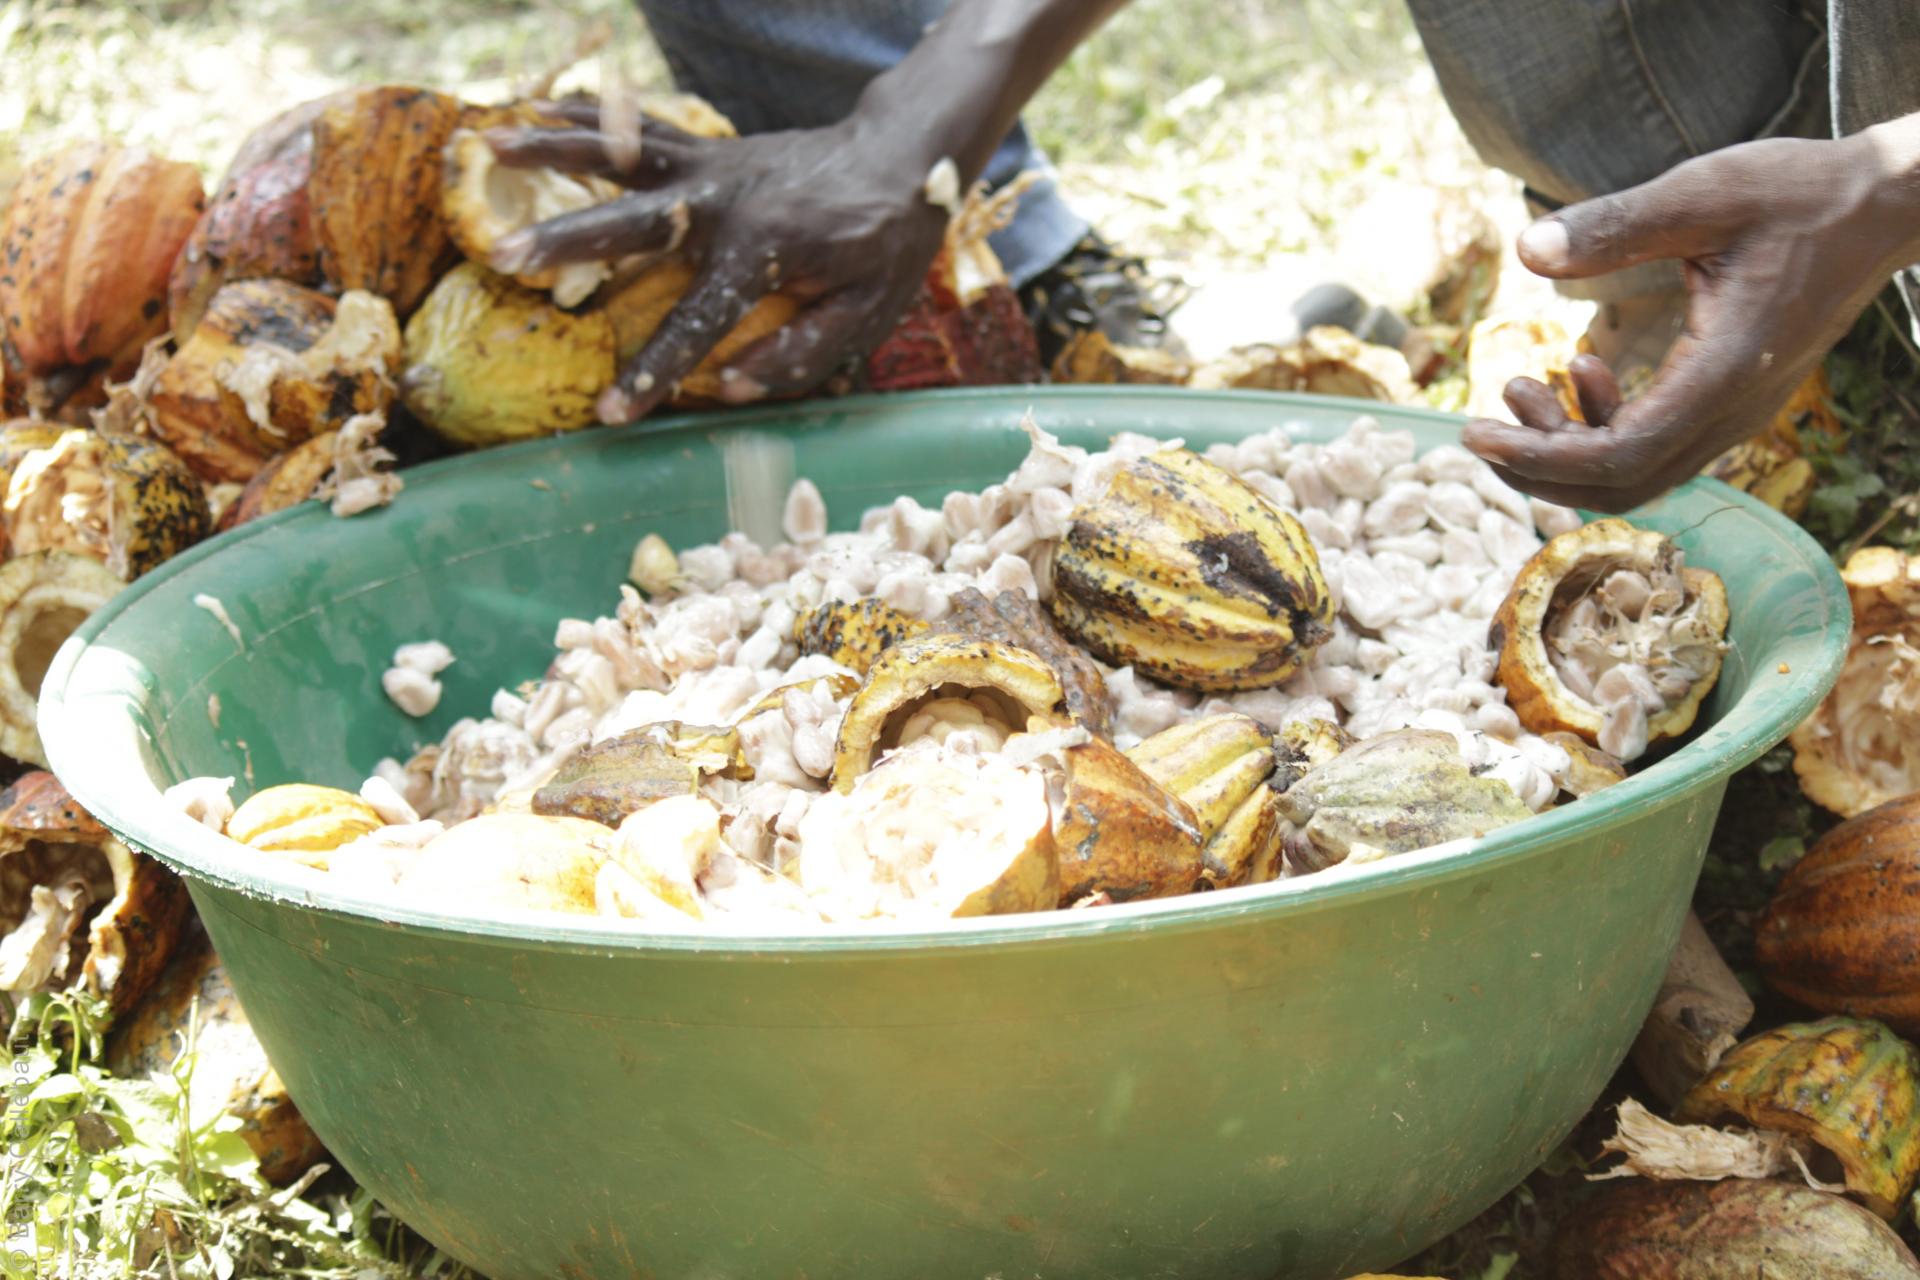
(834, 217)
(1783, 243)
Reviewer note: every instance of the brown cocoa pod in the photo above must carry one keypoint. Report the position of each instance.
(1841, 934)
(1731, 1230)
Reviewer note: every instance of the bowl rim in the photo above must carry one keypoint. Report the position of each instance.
(72, 737)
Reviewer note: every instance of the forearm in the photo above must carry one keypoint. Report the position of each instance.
(963, 86)
(1894, 148)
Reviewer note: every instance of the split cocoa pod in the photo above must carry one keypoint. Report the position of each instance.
(1116, 829)
(126, 501)
(44, 597)
(303, 821)
(932, 833)
(1610, 635)
(1223, 768)
(1326, 360)
(966, 327)
(638, 307)
(1861, 747)
(1118, 832)
(87, 243)
(1396, 792)
(855, 633)
(936, 685)
(1841, 934)
(285, 480)
(484, 201)
(77, 907)
(1847, 1086)
(270, 365)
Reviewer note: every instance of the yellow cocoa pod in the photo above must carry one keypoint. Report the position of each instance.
(488, 361)
(302, 820)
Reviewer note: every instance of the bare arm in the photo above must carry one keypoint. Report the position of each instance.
(838, 217)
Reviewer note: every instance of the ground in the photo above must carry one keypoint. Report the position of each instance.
(1272, 145)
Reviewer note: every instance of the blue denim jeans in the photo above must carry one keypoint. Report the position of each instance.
(1575, 97)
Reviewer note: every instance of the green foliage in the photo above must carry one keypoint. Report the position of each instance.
(1869, 481)
(111, 1177)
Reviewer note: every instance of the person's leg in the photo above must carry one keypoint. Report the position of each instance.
(1577, 98)
(800, 64)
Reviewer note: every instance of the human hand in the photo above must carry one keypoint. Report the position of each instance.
(836, 217)
(1783, 242)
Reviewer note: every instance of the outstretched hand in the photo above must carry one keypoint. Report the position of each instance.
(833, 217)
(1783, 243)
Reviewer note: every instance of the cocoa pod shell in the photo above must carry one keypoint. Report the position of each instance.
(86, 246)
(320, 380)
(1841, 934)
(374, 191)
(258, 224)
(1730, 1230)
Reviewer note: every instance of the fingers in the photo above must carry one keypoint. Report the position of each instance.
(1564, 495)
(1494, 441)
(1681, 214)
(635, 223)
(1535, 403)
(1596, 387)
(1705, 397)
(1547, 449)
(577, 150)
(581, 111)
(723, 292)
(586, 113)
(806, 350)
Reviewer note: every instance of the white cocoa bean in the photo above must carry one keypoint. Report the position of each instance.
(706, 567)
(1010, 573)
(428, 657)
(1309, 484)
(804, 519)
(1323, 529)
(1511, 502)
(759, 650)
(1051, 512)
(1422, 546)
(969, 555)
(1551, 519)
(1497, 719)
(1508, 542)
(1399, 510)
(1449, 462)
(1013, 538)
(413, 691)
(813, 750)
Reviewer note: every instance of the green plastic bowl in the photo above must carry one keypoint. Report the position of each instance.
(1303, 1080)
